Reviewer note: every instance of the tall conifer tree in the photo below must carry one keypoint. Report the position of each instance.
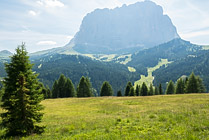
(160, 89)
(132, 92)
(119, 93)
(83, 89)
(61, 86)
(22, 96)
(192, 84)
(91, 94)
(151, 90)
(201, 86)
(144, 90)
(170, 88)
(180, 86)
(128, 88)
(137, 90)
(106, 89)
(156, 90)
(69, 88)
(55, 89)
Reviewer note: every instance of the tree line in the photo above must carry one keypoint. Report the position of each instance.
(192, 84)
(63, 87)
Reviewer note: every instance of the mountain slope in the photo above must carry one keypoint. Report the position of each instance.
(125, 29)
(75, 66)
(172, 50)
(198, 63)
(5, 54)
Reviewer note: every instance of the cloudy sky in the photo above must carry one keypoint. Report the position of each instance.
(45, 24)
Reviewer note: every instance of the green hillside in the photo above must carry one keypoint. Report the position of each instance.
(198, 63)
(76, 66)
(157, 117)
(172, 50)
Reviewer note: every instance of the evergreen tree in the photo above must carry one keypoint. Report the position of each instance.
(128, 88)
(44, 90)
(156, 91)
(61, 86)
(144, 90)
(55, 90)
(90, 86)
(83, 89)
(106, 89)
(49, 93)
(22, 97)
(137, 90)
(69, 89)
(160, 90)
(151, 91)
(192, 84)
(170, 88)
(132, 92)
(201, 87)
(180, 86)
(119, 93)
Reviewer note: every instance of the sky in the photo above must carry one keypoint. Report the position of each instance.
(45, 24)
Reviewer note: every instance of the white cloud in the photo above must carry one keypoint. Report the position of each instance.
(33, 13)
(51, 3)
(40, 3)
(194, 34)
(46, 43)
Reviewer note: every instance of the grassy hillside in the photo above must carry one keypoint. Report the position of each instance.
(157, 117)
(149, 78)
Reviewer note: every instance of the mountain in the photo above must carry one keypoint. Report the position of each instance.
(67, 49)
(173, 50)
(123, 30)
(5, 54)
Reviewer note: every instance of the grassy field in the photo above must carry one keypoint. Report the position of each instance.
(165, 117)
(149, 79)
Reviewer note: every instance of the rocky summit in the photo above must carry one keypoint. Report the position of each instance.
(124, 29)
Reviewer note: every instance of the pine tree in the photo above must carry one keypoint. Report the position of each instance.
(179, 86)
(55, 89)
(83, 89)
(61, 86)
(106, 89)
(156, 91)
(49, 93)
(119, 93)
(44, 90)
(151, 91)
(132, 92)
(137, 90)
(201, 86)
(144, 90)
(160, 90)
(192, 84)
(22, 97)
(128, 88)
(91, 94)
(170, 88)
(69, 89)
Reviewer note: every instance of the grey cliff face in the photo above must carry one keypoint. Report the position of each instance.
(125, 29)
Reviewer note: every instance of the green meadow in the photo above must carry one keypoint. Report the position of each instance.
(165, 117)
(149, 78)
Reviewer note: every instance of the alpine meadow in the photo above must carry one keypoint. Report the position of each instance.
(104, 70)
